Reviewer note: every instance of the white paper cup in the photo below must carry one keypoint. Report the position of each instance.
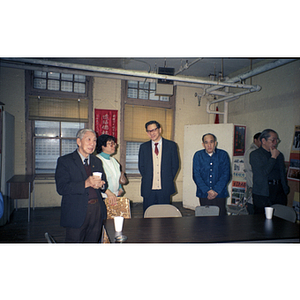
(97, 174)
(118, 221)
(269, 212)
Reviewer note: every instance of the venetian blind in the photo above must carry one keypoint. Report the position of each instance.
(136, 116)
(54, 109)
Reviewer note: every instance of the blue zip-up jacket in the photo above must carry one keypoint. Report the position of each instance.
(211, 172)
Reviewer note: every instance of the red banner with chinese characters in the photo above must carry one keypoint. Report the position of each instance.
(106, 122)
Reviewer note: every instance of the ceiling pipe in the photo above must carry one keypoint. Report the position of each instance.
(139, 74)
(256, 71)
(241, 78)
(186, 66)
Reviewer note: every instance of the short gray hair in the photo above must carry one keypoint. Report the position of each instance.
(82, 132)
(214, 137)
(266, 134)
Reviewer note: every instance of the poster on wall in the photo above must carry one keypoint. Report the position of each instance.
(239, 140)
(293, 173)
(106, 122)
(296, 140)
(238, 181)
(294, 166)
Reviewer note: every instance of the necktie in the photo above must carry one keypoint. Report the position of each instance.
(86, 162)
(156, 149)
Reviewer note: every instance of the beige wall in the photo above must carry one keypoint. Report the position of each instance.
(187, 113)
(107, 95)
(276, 106)
(12, 94)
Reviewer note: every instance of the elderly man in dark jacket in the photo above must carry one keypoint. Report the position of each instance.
(269, 177)
(82, 207)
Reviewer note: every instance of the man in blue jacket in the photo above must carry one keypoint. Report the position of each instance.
(211, 173)
(158, 165)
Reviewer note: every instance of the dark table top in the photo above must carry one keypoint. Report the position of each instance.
(235, 228)
(21, 179)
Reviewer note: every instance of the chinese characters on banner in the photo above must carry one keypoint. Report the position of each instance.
(106, 122)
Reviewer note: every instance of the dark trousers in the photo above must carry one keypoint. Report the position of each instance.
(90, 231)
(276, 196)
(155, 197)
(220, 202)
(250, 208)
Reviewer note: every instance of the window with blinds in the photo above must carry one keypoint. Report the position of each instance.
(140, 106)
(58, 109)
(52, 140)
(57, 106)
(135, 118)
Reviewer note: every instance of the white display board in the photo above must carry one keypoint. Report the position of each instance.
(192, 143)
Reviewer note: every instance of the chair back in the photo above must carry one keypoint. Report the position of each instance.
(50, 238)
(162, 211)
(285, 212)
(201, 211)
(1, 205)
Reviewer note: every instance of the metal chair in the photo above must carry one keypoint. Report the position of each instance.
(162, 211)
(238, 209)
(50, 238)
(202, 211)
(284, 212)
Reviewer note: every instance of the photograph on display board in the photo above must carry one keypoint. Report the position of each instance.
(294, 166)
(238, 181)
(296, 140)
(238, 192)
(294, 174)
(239, 140)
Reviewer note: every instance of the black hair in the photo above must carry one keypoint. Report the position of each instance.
(256, 136)
(152, 122)
(102, 140)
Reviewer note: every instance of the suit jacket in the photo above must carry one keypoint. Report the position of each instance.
(262, 165)
(70, 176)
(169, 167)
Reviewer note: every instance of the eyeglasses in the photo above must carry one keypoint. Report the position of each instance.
(275, 140)
(111, 144)
(149, 131)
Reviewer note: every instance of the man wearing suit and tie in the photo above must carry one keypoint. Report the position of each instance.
(82, 207)
(158, 165)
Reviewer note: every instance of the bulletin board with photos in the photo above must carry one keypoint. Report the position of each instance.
(238, 173)
(238, 181)
(293, 174)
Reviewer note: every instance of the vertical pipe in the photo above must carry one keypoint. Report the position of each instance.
(225, 121)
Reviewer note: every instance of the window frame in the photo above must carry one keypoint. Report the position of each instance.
(141, 102)
(147, 102)
(53, 93)
(30, 124)
(60, 138)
